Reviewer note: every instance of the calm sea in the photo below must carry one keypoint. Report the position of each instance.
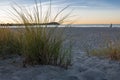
(95, 25)
(78, 25)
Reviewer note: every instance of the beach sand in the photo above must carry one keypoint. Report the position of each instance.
(83, 67)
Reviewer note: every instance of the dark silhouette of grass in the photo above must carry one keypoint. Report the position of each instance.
(9, 42)
(41, 45)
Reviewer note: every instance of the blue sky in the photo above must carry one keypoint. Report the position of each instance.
(89, 3)
(88, 11)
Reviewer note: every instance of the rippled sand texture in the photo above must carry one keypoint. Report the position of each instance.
(83, 66)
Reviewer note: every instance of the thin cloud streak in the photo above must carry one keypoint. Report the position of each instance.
(86, 10)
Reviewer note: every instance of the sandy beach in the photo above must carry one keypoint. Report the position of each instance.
(59, 39)
(84, 67)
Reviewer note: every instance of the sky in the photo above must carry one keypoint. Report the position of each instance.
(83, 11)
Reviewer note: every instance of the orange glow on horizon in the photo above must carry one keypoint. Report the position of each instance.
(78, 22)
(97, 22)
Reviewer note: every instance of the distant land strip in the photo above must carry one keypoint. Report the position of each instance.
(11, 24)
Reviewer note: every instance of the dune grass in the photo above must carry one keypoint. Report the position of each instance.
(112, 52)
(9, 44)
(111, 49)
(41, 44)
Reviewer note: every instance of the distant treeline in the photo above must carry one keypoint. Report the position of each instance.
(11, 24)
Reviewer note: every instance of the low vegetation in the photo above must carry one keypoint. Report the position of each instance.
(9, 44)
(111, 49)
(43, 46)
(112, 53)
(38, 44)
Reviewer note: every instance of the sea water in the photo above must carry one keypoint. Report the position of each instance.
(74, 25)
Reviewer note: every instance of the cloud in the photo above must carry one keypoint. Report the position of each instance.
(95, 4)
(56, 6)
(85, 9)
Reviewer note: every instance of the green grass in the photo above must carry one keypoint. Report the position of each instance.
(111, 49)
(40, 44)
(9, 44)
(111, 53)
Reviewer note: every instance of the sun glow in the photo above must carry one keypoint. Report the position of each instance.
(84, 14)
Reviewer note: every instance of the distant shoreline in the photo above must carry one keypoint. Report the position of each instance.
(31, 24)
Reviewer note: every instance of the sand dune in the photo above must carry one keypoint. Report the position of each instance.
(83, 67)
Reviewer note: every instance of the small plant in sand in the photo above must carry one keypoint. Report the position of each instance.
(40, 43)
(110, 50)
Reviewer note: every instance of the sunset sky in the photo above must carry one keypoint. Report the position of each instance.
(85, 11)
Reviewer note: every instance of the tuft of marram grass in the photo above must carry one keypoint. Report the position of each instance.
(111, 49)
(112, 53)
(9, 43)
(41, 44)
